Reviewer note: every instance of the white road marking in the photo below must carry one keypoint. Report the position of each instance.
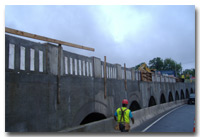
(160, 119)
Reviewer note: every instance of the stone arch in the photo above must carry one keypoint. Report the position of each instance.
(89, 110)
(162, 99)
(182, 94)
(134, 98)
(176, 95)
(95, 116)
(152, 101)
(187, 93)
(170, 97)
(134, 106)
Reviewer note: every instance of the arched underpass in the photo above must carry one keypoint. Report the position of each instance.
(152, 101)
(162, 99)
(177, 96)
(182, 95)
(170, 98)
(187, 93)
(192, 91)
(92, 117)
(134, 106)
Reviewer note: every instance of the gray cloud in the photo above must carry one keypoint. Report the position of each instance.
(125, 34)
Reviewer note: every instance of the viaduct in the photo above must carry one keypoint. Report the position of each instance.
(44, 94)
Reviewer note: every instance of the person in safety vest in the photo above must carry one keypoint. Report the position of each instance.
(123, 116)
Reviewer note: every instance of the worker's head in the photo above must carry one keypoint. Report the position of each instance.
(124, 102)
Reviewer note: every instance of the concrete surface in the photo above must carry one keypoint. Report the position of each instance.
(31, 96)
(140, 117)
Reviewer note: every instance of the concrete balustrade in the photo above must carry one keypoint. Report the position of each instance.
(43, 58)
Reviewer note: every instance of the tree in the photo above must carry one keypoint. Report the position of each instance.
(178, 69)
(170, 64)
(193, 72)
(156, 63)
(189, 72)
(167, 64)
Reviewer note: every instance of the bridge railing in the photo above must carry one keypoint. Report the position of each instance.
(111, 70)
(25, 56)
(137, 75)
(128, 73)
(31, 57)
(77, 65)
(160, 78)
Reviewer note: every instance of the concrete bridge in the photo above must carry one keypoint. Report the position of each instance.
(49, 89)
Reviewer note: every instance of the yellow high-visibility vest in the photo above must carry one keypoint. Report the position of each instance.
(126, 115)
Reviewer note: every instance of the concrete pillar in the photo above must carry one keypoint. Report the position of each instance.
(133, 73)
(17, 58)
(119, 71)
(52, 59)
(97, 67)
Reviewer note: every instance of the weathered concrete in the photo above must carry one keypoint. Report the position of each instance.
(140, 116)
(119, 71)
(97, 69)
(31, 96)
(28, 45)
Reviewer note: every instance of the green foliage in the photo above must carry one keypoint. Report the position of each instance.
(156, 63)
(168, 64)
(189, 72)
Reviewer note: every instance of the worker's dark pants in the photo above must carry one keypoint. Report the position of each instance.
(122, 128)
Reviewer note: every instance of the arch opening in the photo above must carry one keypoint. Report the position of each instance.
(187, 93)
(170, 97)
(162, 99)
(152, 101)
(182, 94)
(177, 96)
(92, 117)
(134, 106)
(192, 91)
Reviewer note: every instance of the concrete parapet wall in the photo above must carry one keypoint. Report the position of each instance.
(31, 57)
(140, 117)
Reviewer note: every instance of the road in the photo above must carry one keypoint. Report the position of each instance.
(180, 119)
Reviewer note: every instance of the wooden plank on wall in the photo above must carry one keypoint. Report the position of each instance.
(59, 72)
(34, 36)
(105, 76)
(125, 80)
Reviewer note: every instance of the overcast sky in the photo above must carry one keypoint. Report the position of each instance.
(124, 34)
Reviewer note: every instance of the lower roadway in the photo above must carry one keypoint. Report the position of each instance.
(180, 119)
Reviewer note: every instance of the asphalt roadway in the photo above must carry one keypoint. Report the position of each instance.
(180, 119)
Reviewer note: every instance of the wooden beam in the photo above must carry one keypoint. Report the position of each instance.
(105, 76)
(34, 36)
(125, 80)
(59, 72)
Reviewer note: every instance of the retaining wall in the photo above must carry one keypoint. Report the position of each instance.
(140, 117)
